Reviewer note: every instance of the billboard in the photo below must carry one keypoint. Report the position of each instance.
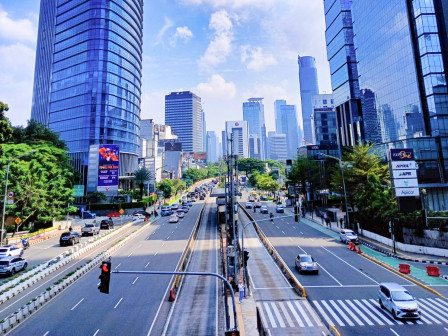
(404, 154)
(172, 146)
(108, 161)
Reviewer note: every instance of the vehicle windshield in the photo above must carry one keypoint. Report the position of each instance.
(89, 225)
(351, 233)
(401, 296)
(306, 259)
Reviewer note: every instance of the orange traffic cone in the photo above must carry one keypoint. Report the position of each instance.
(359, 249)
(172, 296)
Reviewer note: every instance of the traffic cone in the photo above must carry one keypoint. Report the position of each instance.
(359, 249)
(172, 296)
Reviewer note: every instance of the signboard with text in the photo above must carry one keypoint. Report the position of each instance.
(108, 163)
(404, 154)
(404, 172)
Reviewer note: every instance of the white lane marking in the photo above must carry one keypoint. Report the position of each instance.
(283, 232)
(263, 318)
(146, 266)
(350, 265)
(294, 313)
(383, 314)
(135, 280)
(49, 332)
(368, 312)
(341, 312)
(277, 313)
(322, 312)
(304, 315)
(351, 304)
(76, 305)
(99, 283)
(117, 266)
(156, 253)
(427, 306)
(340, 284)
(446, 329)
(301, 232)
(336, 317)
(435, 304)
(441, 301)
(312, 313)
(168, 237)
(130, 254)
(118, 303)
(269, 288)
(357, 320)
(96, 332)
(271, 317)
(345, 286)
(394, 332)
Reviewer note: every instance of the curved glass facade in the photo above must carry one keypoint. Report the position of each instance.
(93, 82)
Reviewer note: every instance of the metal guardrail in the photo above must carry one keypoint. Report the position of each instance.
(277, 258)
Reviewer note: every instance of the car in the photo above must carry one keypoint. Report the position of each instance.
(114, 214)
(263, 198)
(185, 209)
(174, 219)
(193, 199)
(138, 217)
(397, 300)
(279, 209)
(142, 212)
(166, 211)
(180, 214)
(88, 215)
(190, 203)
(306, 263)
(69, 238)
(174, 206)
(251, 199)
(264, 209)
(91, 229)
(107, 224)
(201, 197)
(11, 265)
(257, 205)
(10, 251)
(248, 205)
(347, 236)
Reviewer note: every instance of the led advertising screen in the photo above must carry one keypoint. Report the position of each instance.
(108, 167)
(171, 146)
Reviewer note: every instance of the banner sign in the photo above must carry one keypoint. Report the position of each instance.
(10, 197)
(406, 192)
(108, 166)
(397, 165)
(405, 183)
(405, 154)
(407, 174)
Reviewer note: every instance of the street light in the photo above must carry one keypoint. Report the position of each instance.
(6, 190)
(343, 184)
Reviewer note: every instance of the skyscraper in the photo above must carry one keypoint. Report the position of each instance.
(277, 146)
(87, 81)
(308, 87)
(212, 146)
(253, 113)
(204, 132)
(286, 123)
(324, 121)
(237, 138)
(183, 112)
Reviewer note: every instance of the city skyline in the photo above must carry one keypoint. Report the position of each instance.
(181, 43)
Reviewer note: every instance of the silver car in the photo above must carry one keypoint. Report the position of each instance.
(306, 263)
(398, 301)
(91, 229)
(11, 265)
(347, 236)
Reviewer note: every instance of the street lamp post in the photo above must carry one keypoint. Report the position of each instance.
(6, 190)
(343, 184)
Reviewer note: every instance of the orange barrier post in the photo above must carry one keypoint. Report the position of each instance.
(404, 268)
(433, 271)
(359, 249)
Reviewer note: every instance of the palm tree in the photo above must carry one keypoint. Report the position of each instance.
(141, 176)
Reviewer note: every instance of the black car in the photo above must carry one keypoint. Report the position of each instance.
(69, 238)
(107, 224)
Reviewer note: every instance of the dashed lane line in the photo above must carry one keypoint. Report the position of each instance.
(96, 332)
(146, 266)
(76, 305)
(117, 266)
(135, 280)
(118, 303)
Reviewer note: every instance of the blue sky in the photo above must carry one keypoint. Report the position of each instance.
(226, 51)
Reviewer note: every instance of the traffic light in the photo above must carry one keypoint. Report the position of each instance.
(245, 258)
(105, 277)
(232, 333)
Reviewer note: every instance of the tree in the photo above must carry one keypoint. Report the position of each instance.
(304, 171)
(266, 183)
(253, 177)
(178, 186)
(248, 165)
(95, 196)
(5, 126)
(36, 132)
(166, 186)
(194, 174)
(141, 176)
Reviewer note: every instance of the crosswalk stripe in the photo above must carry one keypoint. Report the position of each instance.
(357, 320)
(427, 308)
(434, 302)
(263, 318)
(385, 312)
(322, 312)
(442, 302)
(333, 314)
(294, 313)
(271, 317)
(378, 311)
(369, 312)
(341, 312)
(436, 307)
(360, 313)
(313, 313)
(304, 315)
(277, 313)
(285, 313)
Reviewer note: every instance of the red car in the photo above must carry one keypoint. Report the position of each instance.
(113, 214)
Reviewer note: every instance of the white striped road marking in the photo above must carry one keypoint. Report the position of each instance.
(135, 280)
(118, 303)
(49, 332)
(345, 286)
(322, 312)
(146, 266)
(341, 312)
(271, 318)
(283, 232)
(301, 232)
(428, 316)
(96, 332)
(434, 304)
(313, 313)
(445, 304)
(76, 305)
(338, 320)
(446, 329)
(304, 315)
(130, 254)
(394, 332)
(263, 318)
(296, 316)
(381, 312)
(351, 304)
(117, 266)
(269, 288)
(340, 284)
(168, 237)
(350, 265)
(357, 320)
(368, 312)
(277, 313)
(432, 309)
(156, 253)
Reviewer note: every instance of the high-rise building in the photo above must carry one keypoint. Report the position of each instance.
(183, 112)
(286, 123)
(237, 138)
(212, 146)
(277, 146)
(253, 113)
(204, 132)
(224, 143)
(87, 80)
(324, 120)
(254, 146)
(308, 88)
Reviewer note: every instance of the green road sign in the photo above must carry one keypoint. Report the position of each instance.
(78, 190)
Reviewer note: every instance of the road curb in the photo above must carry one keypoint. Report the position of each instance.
(403, 275)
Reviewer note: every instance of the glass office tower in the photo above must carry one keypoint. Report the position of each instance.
(286, 123)
(87, 82)
(253, 113)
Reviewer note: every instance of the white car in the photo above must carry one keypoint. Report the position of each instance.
(180, 214)
(11, 265)
(174, 219)
(306, 263)
(248, 205)
(398, 301)
(347, 236)
(91, 229)
(138, 216)
(10, 251)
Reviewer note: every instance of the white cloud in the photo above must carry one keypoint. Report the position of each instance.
(255, 59)
(168, 24)
(182, 33)
(216, 88)
(20, 30)
(221, 45)
(235, 3)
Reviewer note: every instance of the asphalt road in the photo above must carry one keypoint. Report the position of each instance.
(136, 305)
(345, 291)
